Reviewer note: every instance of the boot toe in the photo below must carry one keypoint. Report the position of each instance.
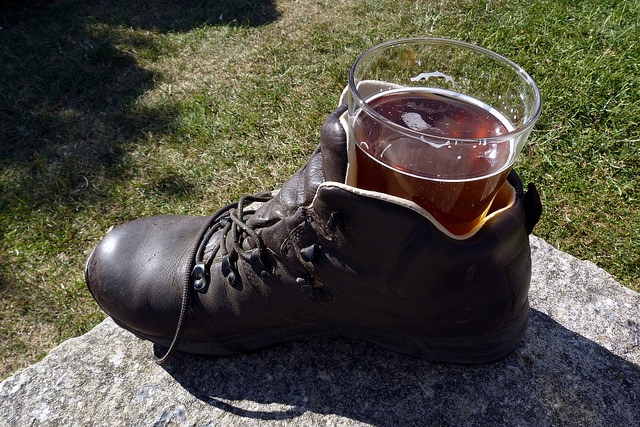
(136, 273)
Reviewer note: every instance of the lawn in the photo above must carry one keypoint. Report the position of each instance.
(114, 110)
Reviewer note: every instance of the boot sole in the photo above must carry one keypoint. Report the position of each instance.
(468, 350)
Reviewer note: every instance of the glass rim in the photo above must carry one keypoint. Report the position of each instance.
(526, 78)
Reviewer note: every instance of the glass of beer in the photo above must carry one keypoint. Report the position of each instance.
(439, 122)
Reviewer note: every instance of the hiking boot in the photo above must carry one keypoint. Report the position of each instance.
(321, 257)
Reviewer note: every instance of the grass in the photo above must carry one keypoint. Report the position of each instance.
(113, 110)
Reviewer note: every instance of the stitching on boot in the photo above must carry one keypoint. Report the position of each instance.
(294, 246)
(287, 244)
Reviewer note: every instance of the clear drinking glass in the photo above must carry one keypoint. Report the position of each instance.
(439, 122)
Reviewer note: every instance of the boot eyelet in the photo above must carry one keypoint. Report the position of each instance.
(199, 278)
(310, 253)
(231, 278)
(229, 269)
(307, 290)
(254, 257)
(257, 260)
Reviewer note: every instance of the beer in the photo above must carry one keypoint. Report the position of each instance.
(442, 162)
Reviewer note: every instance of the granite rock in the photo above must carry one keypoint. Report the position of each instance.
(578, 365)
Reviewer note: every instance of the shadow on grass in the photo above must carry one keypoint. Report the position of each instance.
(68, 93)
(70, 117)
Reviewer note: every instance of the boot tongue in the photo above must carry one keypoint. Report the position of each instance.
(327, 163)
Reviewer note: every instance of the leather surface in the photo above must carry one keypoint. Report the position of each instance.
(379, 265)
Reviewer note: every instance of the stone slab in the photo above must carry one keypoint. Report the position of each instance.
(579, 365)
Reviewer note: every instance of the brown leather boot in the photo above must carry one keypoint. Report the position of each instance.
(322, 258)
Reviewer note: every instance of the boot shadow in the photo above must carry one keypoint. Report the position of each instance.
(556, 376)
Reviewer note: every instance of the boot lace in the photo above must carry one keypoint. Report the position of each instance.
(231, 221)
